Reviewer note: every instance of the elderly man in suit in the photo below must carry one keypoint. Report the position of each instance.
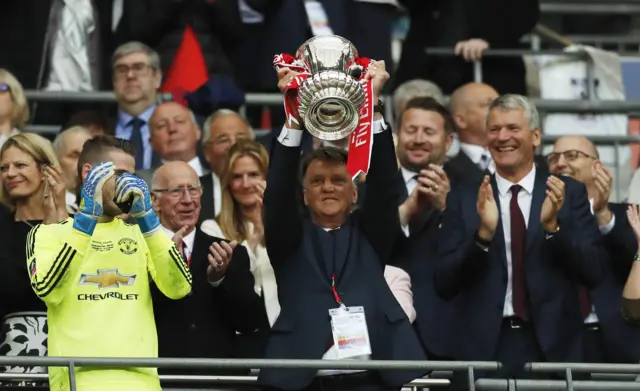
(512, 253)
(330, 267)
(607, 336)
(174, 136)
(223, 301)
(469, 107)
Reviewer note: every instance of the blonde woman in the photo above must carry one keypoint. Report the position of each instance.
(14, 111)
(32, 192)
(240, 218)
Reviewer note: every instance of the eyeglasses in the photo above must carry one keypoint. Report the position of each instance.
(569, 156)
(4, 87)
(138, 69)
(178, 192)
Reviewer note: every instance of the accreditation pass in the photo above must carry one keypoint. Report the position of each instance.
(350, 333)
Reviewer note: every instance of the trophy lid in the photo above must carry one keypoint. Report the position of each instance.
(327, 52)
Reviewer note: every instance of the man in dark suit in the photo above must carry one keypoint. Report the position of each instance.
(608, 338)
(174, 136)
(425, 133)
(334, 259)
(512, 253)
(223, 301)
(469, 106)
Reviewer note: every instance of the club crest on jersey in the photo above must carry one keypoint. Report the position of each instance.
(128, 246)
(107, 278)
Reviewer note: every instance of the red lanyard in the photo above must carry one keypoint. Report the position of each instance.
(335, 292)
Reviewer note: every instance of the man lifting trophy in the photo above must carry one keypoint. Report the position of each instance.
(329, 262)
(331, 90)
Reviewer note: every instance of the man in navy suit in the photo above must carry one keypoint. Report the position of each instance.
(334, 259)
(608, 338)
(512, 253)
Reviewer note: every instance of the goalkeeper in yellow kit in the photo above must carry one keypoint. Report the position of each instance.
(93, 273)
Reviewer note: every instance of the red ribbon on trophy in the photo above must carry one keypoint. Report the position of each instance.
(361, 139)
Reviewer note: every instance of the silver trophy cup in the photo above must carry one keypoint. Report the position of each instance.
(329, 99)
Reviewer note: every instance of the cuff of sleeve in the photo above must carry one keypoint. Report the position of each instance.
(405, 229)
(379, 126)
(84, 224)
(149, 223)
(216, 284)
(607, 228)
(290, 137)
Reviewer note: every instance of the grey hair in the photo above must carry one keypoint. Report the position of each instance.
(136, 47)
(58, 143)
(413, 89)
(517, 102)
(206, 128)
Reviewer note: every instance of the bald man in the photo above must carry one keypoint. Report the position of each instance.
(223, 301)
(174, 136)
(607, 337)
(469, 106)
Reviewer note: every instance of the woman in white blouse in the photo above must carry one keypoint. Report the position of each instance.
(14, 111)
(240, 218)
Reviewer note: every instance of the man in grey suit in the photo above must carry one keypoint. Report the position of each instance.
(174, 136)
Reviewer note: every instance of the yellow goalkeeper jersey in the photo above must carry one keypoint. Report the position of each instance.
(99, 303)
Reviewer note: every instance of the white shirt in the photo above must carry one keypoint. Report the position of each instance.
(475, 153)
(525, 196)
(217, 194)
(411, 183)
(70, 69)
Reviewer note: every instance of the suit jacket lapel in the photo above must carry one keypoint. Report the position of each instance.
(539, 189)
(403, 188)
(498, 238)
(342, 242)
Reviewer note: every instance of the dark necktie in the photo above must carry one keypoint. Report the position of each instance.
(585, 302)
(518, 234)
(138, 144)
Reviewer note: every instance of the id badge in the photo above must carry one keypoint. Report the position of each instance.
(350, 333)
(317, 18)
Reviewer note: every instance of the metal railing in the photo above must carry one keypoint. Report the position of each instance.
(72, 363)
(590, 7)
(471, 368)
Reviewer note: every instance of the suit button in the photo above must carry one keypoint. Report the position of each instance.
(192, 327)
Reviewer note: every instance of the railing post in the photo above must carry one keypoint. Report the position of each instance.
(477, 71)
(72, 376)
(471, 378)
(569, 377)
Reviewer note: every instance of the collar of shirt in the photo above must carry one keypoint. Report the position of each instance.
(504, 185)
(125, 118)
(408, 175)
(195, 164)
(187, 241)
(474, 152)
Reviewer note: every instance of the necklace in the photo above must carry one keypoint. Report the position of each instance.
(18, 219)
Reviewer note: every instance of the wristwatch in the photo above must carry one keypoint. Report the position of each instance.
(379, 107)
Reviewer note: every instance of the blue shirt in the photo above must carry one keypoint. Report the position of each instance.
(124, 130)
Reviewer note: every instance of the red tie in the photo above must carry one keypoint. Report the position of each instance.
(188, 71)
(585, 302)
(518, 235)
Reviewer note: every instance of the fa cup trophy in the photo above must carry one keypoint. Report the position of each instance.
(330, 94)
